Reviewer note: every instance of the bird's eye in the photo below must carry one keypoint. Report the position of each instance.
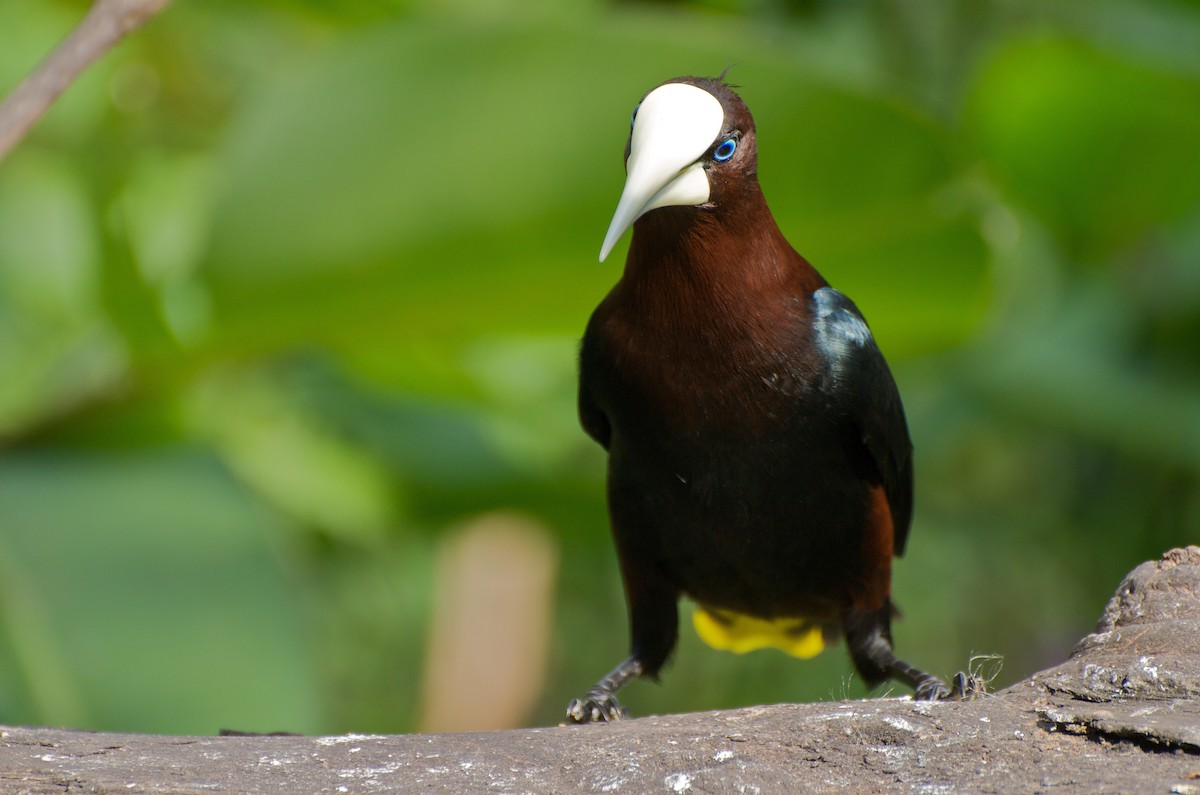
(725, 150)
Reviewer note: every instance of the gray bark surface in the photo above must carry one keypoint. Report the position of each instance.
(1121, 715)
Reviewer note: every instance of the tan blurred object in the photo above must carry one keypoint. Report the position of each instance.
(486, 661)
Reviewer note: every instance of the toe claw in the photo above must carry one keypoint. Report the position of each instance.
(964, 687)
(595, 708)
(967, 686)
(930, 688)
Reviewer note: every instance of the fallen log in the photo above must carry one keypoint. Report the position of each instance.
(1121, 715)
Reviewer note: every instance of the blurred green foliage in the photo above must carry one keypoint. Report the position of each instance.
(287, 289)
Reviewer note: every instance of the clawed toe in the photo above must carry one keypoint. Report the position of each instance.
(595, 708)
(967, 687)
(964, 687)
(930, 688)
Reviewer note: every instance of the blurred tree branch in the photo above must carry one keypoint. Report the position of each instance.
(106, 23)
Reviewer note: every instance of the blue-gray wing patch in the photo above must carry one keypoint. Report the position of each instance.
(841, 330)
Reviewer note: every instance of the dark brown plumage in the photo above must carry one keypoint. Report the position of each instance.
(759, 460)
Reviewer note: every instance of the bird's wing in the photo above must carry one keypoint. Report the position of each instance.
(863, 384)
(591, 416)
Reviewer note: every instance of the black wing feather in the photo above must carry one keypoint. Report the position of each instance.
(593, 419)
(864, 385)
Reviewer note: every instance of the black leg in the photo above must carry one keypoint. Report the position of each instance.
(869, 638)
(653, 629)
(927, 687)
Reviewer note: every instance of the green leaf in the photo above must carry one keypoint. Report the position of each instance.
(156, 574)
(1102, 149)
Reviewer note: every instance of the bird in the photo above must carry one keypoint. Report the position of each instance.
(758, 458)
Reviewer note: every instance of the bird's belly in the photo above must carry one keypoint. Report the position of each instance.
(763, 524)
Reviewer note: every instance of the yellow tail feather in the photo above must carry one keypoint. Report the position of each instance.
(727, 631)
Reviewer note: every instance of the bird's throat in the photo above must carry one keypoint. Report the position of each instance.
(707, 256)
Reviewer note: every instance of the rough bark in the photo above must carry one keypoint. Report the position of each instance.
(1121, 715)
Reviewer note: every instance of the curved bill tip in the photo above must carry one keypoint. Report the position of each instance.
(675, 124)
(611, 238)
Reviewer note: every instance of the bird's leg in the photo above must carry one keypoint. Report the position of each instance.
(869, 638)
(927, 687)
(600, 703)
(654, 628)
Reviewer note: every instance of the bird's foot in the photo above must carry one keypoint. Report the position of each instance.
(930, 688)
(598, 706)
(965, 687)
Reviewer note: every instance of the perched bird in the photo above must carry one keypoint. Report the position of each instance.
(759, 461)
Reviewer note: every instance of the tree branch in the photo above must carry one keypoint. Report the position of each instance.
(106, 23)
(1121, 715)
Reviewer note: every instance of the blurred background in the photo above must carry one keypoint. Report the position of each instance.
(290, 295)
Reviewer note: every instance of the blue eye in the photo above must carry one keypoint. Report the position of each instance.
(725, 150)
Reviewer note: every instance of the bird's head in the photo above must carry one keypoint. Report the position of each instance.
(691, 140)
